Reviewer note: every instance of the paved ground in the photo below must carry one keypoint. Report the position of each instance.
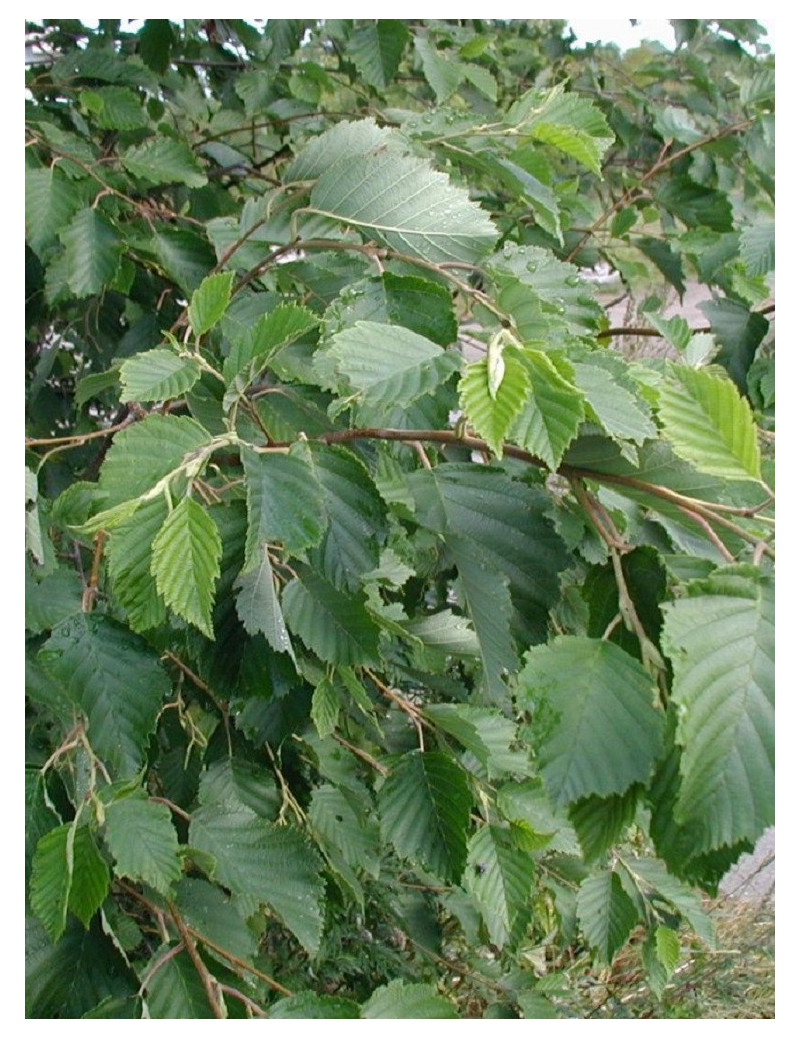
(752, 880)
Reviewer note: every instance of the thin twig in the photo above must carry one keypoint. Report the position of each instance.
(210, 984)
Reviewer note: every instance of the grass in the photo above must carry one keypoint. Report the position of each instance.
(737, 980)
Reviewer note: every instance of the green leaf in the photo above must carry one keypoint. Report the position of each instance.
(90, 878)
(92, 250)
(424, 809)
(619, 412)
(400, 999)
(175, 990)
(258, 607)
(155, 43)
(115, 108)
(157, 375)
(606, 914)
(210, 301)
(115, 679)
(185, 256)
(312, 1005)
(71, 977)
(144, 453)
(709, 424)
(552, 414)
(51, 879)
(141, 838)
(185, 564)
(666, 260)
(492, 410)
(343, 140)
(262, 863)
(52, 599)
(129, 554)
(486, 733)
(758, 248)
(495, 525)
(376, 50)
(489, 604)
(442, 71)
(421, 305)
(164, 160)
(599, 822)
(675, 330)
(68, 873)
(50, 202)
(695, 204)
(389, 366)
(325, 707)
(251, 351)
(355, 511)
(334, 625)
(542, 293)
(405, 204)
(574, 125)
(285, 502)
(500, 878)
(739, 333)
(213, 913)
(604, 732)
(237, 783)
(336, 822)
(721, 642)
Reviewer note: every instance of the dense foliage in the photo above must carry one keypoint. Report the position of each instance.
(396, 645)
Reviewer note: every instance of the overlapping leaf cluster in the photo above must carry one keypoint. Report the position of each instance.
(374, 600)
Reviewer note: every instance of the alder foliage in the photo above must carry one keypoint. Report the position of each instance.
(399, 641)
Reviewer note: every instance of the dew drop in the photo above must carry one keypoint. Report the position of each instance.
(532, 266)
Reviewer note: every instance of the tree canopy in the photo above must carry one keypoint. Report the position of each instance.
(399, 628)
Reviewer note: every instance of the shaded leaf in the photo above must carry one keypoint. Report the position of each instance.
(258, 607)
(116, 679)
(164, 160)
(333, 624)
(141, 838)
(424, 809)
(606, 914)
(604, 732)
(92, 250)
(260, 863)
(400, 999)
(376, 50)
(500, 878)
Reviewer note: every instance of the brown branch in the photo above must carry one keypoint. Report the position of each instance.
(363, 755)
(90, 592)
(661, 163)
(247, 1001)
(634, 331)
(210, 984)
(220, 705)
